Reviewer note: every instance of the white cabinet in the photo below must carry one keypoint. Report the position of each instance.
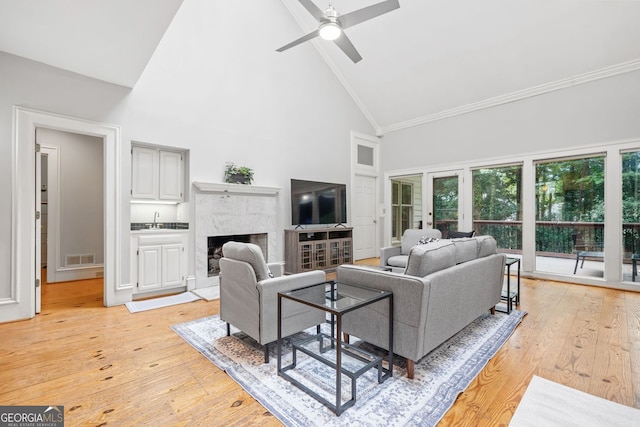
(156, 174)
(171, 172)
(159, 260)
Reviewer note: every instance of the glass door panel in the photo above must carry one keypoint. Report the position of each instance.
(497, 205)
(570, 217)
(444, 213)
(630, 216)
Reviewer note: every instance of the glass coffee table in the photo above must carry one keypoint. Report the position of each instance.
(343, 358)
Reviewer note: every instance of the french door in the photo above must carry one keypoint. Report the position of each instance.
(444, 196)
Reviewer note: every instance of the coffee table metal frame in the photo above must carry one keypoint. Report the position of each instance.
(341, 299)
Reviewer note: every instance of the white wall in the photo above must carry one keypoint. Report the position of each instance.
(597, 112)
(215, 86)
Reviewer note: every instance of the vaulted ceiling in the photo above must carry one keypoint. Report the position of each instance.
(424, 61)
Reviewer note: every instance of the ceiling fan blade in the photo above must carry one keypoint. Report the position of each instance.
(357, 16)
(298, 41)
(347, 47)
(313, 9)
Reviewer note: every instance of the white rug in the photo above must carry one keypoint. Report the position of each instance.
(210, 293)
(439, 377)
(549, 404)
(150, 304)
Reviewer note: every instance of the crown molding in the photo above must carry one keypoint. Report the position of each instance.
(603, 73)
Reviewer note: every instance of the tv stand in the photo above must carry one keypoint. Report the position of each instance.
(317, 248)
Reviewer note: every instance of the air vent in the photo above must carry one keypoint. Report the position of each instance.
(79, 260)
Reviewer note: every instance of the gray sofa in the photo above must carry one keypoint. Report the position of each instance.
(447, 284)
(395, 257)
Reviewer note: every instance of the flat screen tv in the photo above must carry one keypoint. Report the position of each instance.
(314, 202)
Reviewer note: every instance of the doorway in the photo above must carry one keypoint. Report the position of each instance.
(72, 219)
(21, 303)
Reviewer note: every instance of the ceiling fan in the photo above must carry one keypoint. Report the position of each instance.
(332, 24)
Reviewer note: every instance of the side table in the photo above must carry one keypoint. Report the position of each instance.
(511, 297)
(341, 299)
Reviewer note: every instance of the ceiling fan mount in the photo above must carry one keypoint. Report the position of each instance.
(332, 24)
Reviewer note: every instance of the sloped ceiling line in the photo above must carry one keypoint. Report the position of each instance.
(341, 78)
(625, 67)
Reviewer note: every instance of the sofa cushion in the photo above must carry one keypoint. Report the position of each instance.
(486, 246)
(398, 261)
(429, 258)
(249, 253)
(466, 249)
(412, 236)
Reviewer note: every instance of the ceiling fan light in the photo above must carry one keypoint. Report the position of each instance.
(330, 31)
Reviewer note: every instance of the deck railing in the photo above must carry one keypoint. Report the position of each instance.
(553, 238)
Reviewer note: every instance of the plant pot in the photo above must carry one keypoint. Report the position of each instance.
(238, 178)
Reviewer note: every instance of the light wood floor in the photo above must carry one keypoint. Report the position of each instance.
(110, 367)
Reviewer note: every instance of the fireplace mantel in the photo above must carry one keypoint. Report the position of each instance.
(222, 209)
(226, 188)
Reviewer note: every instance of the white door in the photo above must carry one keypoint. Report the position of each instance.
(364, 217)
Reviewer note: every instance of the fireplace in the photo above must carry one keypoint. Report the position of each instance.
(214, 248)
(232, 210)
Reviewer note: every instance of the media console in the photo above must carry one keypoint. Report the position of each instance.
(317, 249)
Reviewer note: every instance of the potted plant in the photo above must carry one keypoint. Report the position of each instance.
(237, 174)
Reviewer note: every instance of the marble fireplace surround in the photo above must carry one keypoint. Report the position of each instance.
(232, 209)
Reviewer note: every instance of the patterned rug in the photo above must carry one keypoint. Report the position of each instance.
(439, 377)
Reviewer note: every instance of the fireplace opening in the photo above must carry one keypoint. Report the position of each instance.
(214, 248)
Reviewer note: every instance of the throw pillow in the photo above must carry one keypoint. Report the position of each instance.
(424, 240)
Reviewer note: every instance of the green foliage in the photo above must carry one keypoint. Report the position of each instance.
(237, 174)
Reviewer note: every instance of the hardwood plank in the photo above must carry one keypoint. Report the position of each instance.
(106, 365)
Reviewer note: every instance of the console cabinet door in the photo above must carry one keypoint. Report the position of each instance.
(144, 173)
(172, 265)
(149, 262)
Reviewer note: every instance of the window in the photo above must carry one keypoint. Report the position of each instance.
(497, 205)
(630, 213)
(401, 208)
(570, 215)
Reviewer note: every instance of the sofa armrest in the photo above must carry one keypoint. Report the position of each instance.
(276, 268)
(387, 252)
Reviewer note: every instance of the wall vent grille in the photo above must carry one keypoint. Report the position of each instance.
(75, 260)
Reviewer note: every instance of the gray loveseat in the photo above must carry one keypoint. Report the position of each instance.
(395, 257)
(447, 285)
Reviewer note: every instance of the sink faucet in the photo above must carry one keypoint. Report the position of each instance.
(156, 214)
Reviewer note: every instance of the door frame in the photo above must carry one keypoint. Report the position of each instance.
(21, 302)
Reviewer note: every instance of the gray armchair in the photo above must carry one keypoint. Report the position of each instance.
(249, 295)
(395, 257)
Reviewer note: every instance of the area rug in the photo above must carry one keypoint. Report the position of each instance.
(549, 404)
(210, 293)
(438, 379)
(150, 304)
